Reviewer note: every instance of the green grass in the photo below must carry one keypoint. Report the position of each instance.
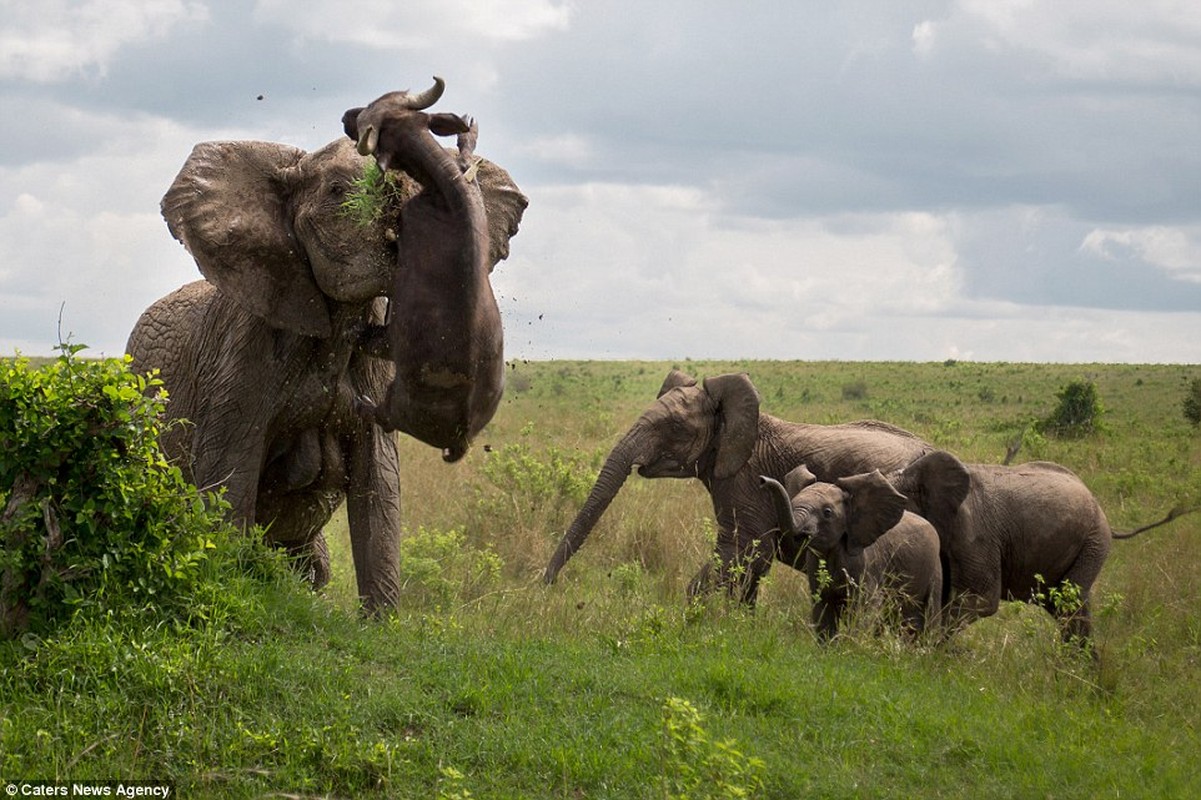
(486, 684)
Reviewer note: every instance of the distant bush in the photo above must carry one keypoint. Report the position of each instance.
(1192, 402)
(1078, 413)
(855, 390)
(91, 513)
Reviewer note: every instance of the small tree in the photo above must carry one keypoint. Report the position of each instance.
(91, 513)
(1078, 413)
(1192, 402)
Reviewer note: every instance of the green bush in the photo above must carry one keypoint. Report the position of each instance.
(855, 390)
(438, 568)
(1192, 402)
(91, 513)
(554, 478)
(697, 766)
(1078, 413)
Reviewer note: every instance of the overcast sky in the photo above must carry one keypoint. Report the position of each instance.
(1013, 180)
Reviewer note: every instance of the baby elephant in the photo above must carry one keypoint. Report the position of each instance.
(859, 526)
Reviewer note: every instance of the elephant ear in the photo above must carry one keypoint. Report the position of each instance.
(873, 507)
(937, 484)
(229, 207)
(797, 479)
(738, 420)
(504, 205)
(675, 379)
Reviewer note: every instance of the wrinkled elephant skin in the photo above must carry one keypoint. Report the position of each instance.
(263, 359)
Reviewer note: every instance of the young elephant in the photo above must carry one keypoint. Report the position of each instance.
(859, 527)
(1023, 533)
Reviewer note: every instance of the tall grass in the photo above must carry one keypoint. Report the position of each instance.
(609, 684)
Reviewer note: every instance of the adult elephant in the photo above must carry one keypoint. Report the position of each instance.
(264, 359)
(1031, 533)
(714, 431)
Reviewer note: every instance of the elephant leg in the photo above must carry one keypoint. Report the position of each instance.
(702, 582)
(229, 454)
(1078, 626)
(825, 614)
(1075, 620)
(311, 560)
(373, 511)
(737, 577)
(828, 602)
(967, 606)
(742, 577)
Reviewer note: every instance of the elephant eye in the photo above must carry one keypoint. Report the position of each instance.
(827, 512)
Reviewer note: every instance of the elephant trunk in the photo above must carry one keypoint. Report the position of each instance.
(782, 504)
(621, 459)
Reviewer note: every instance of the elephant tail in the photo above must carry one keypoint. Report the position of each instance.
(1178, 511)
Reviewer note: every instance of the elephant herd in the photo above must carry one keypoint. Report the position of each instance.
(314, 336)
(861, 505)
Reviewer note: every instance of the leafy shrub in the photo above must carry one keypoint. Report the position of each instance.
(1192, 402)
(1078, 413)
(696, 766)
(91, 513)
(555, 478)
(438, 568)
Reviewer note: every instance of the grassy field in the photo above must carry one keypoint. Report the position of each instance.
(486, 684)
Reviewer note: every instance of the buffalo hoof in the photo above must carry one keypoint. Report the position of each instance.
(452, 454)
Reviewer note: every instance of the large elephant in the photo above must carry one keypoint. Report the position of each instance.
(444, 337)
(858, 530)
(715, 432)
(264, 360)
(1022, 533)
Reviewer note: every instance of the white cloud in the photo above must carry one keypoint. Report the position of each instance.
(52, 40)
(568, 149)
(687, 279)
(1157, 41)
(87, 233)
(1176, 251)
(416, 24)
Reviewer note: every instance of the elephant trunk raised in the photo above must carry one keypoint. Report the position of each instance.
(631, 450)
(781, 503)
